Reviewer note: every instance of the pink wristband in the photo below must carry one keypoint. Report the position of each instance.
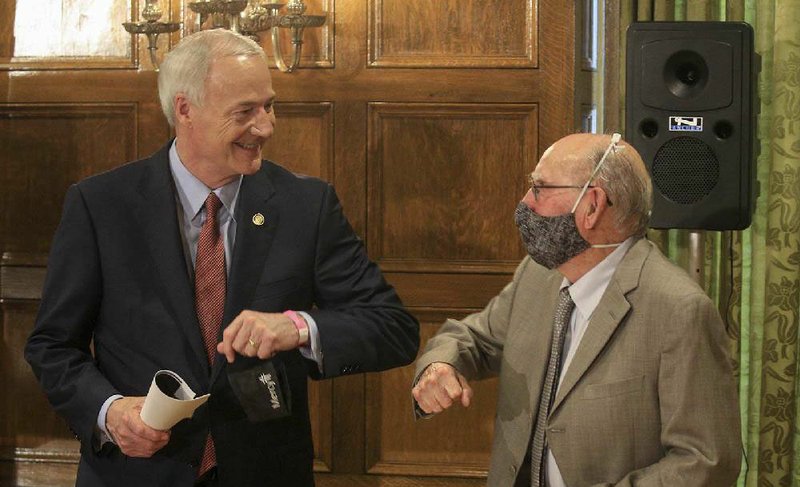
(300, 324)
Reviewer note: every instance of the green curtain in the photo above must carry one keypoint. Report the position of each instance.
(754, 275)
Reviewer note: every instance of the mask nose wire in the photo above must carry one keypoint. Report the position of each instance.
(612, 146)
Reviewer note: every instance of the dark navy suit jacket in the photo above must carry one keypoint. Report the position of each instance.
(117, 277)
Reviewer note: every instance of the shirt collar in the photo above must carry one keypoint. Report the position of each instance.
(192, 193)
(587, 291)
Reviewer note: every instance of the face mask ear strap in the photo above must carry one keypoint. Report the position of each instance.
(612, 146)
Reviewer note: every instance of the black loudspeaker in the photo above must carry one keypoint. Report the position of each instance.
(690, 112)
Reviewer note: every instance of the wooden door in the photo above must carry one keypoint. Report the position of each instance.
(425, 115)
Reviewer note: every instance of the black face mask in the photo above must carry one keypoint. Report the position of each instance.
(550, 241)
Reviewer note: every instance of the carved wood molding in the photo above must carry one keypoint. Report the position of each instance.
(441, 41)
(321, 412)
(36, 175)
(292, 149)
(453, 174)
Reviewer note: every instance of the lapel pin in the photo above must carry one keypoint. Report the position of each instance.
(258, 219)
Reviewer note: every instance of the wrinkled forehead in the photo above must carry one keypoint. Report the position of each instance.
(558, 164)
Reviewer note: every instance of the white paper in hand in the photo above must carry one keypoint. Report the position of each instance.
(169, 400)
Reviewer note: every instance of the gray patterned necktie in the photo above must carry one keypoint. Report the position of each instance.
(539, 442)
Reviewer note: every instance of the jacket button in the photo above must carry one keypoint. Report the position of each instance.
(513, 470)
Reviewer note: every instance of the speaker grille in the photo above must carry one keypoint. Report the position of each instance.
(685, 170)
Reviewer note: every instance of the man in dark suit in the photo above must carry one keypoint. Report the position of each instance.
(153, 260)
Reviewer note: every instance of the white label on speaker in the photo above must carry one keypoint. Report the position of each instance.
(685, 124)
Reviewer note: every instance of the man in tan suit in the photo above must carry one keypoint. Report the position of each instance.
(641, 392)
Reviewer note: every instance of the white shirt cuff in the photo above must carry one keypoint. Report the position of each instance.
(101, 420)
(311, 350)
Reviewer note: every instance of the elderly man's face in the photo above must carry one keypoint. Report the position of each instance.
(553, 187)
(236, 117)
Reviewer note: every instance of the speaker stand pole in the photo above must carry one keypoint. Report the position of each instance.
(697, 248)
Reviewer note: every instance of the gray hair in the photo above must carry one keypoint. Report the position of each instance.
(185, 68)
(625, 180)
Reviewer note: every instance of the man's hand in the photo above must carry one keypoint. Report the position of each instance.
(439, 386)
(129, 432)
(258, 334)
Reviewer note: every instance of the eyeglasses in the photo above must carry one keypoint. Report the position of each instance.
(537, 188)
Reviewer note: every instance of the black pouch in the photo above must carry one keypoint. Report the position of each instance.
(262, 390)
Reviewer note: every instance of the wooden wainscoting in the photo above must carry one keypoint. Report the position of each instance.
(426, 116)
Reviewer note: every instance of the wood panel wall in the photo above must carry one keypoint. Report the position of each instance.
(426, 116)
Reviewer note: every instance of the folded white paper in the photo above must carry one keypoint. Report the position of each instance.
(169, 400)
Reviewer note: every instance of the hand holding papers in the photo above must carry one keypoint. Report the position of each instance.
(169, 400)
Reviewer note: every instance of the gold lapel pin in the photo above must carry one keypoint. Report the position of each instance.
(258, 219)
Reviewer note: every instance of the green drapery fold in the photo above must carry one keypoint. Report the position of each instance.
(753, 275)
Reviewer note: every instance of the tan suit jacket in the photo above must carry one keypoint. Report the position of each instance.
(649, 398)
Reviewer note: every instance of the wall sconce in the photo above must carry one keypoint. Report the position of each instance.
(246, 17)
(259, 18)
(151, 27)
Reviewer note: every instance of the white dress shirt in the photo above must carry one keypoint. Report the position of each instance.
(586, 293)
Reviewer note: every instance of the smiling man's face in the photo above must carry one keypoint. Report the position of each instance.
(223, 137)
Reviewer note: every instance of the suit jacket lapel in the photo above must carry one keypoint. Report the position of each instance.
(610, 312)
(251, 247)
(158, 219)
